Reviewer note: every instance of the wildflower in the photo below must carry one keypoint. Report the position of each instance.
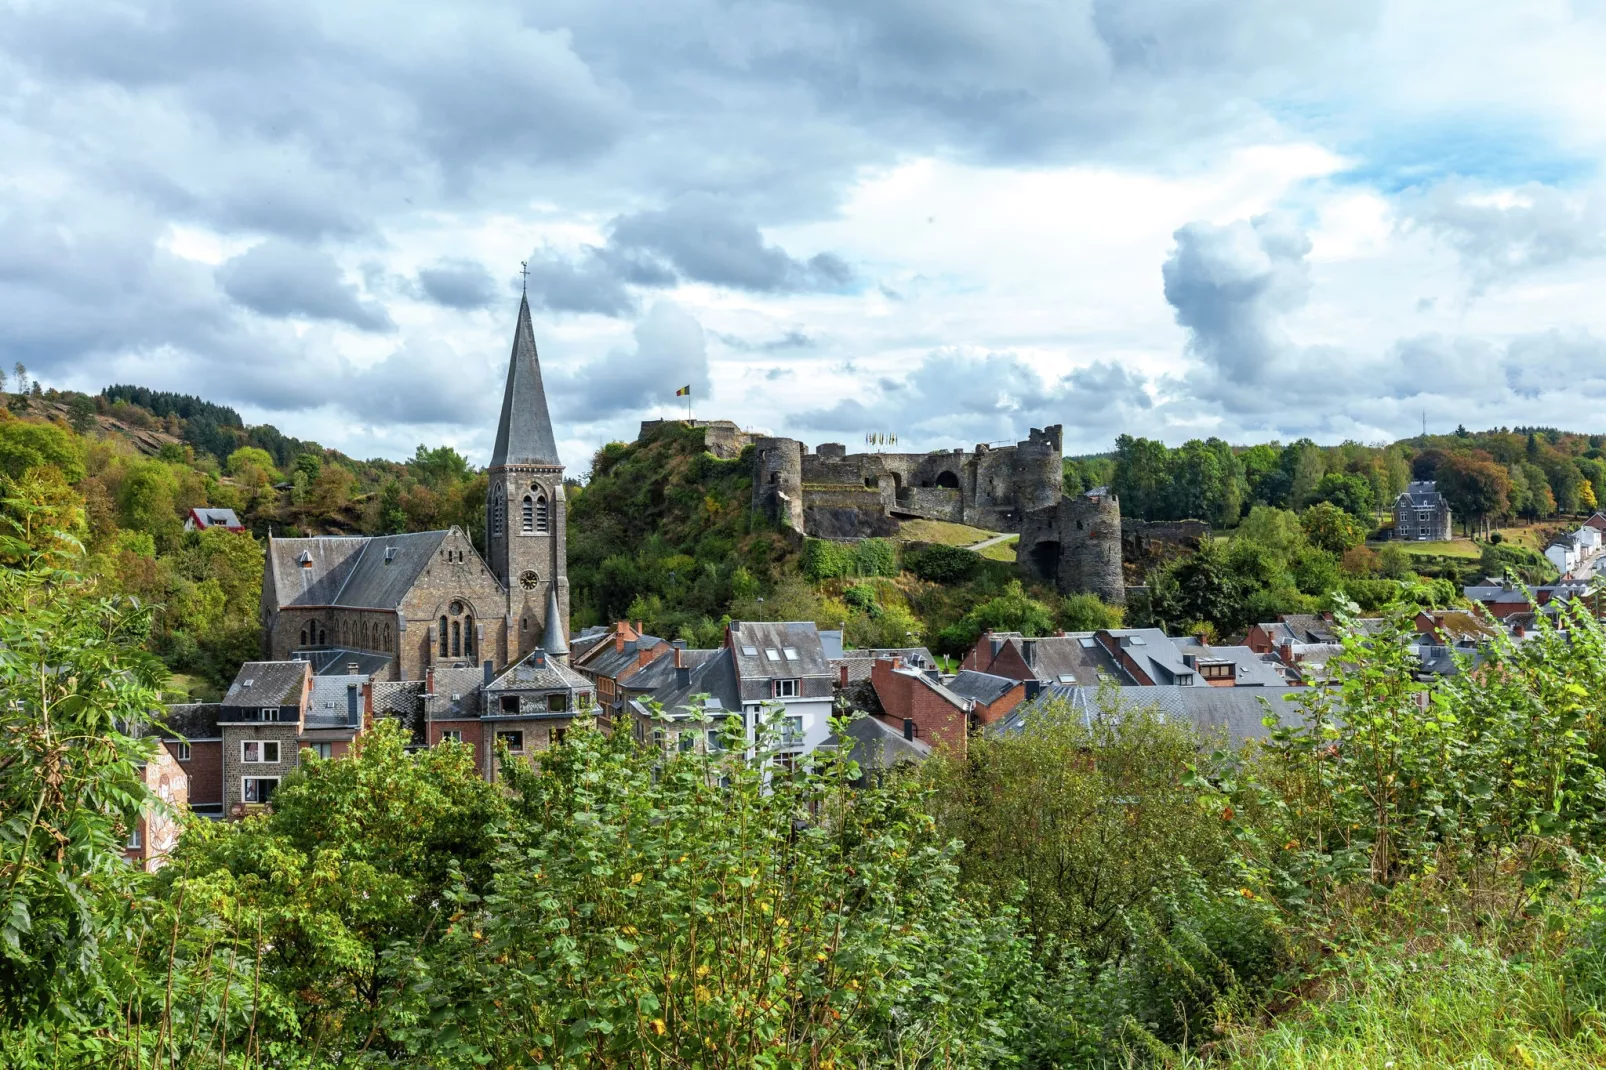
(702, 971)
(658, 1026)
(635, 878)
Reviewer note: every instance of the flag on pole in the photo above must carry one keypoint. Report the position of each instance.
(684, 392)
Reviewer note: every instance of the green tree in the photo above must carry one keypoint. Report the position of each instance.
(1331, 528)
(25, 445)
(250, 464)
(439, 469)
(1476, 488)
(1087, 613)
(1305, 466)
(81, 413)
(1142, 476)
(1351, 493)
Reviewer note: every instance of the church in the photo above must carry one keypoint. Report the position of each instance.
(399, 607)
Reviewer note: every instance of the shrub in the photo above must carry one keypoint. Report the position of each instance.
(826, 560)
(943, 564)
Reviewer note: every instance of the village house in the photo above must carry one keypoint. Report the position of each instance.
(1421, 514)
(155, 831)
(206, 517)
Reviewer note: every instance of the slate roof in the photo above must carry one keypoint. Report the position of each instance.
(524, 432)
(580, 644)
(660, 672)
(831, 643)
(1423, 495)
(404, 701)
(1154, 653)
(338, 661)
(327, 707)
(610, 661)
(1234, 711)
(860, 662)
(527, 675)
(714, 677)
(267, 683)
(206, 516)
(876, 745)
(1054, 657)
(1251, 669)
(457, 693)
(980, 686)
(756, 669)
(358, 573)
(192, 720)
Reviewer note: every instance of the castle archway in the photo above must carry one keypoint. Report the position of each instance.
(948, 479)
(1046, 560)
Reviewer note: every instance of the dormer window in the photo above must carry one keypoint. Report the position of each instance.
(304, 559)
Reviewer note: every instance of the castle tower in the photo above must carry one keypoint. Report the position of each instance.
(525, 512)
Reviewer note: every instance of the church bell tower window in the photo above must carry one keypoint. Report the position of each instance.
(540, 514)
(528, 526)
(498, 510)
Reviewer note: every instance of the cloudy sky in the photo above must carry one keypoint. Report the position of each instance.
(946, 219)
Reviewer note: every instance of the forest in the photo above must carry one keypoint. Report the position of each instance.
(1401, 878)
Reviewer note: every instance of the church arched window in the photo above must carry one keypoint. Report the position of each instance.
(528, 519)
(323, 636)
(445, 650)
(468, 637)
(457, 638)
(498, 509)
(540, 514)
(303, 637)
(387, 637)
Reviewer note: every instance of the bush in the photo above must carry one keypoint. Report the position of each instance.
(943, 564)
(825, 560)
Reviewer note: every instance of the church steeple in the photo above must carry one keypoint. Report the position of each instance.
(525, 511)
(524, 434)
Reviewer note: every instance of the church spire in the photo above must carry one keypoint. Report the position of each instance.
(555, 643)
(524, 434)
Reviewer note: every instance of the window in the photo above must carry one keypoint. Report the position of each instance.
(641, 732)
(513, 739)
(498, 509)
(792, 732)
(790, 652)
(1087, 642)
(181, 751)
(585, 700)
(444, 648)
(323, 637)
(557, 736)
(714, 743)
(540, 514)
(1216, 671)
(750, 651)
(253, 751)
(509, 704)
(557, 703)
(303, 637)
(687, 740)
(322, 750)
(468, 636)
(452, 735)
(771, 653)
(910, 729)
(257, 789)
(784, 688)
(527, 523)
(135, 840)
(268, 713)
(658, 737)
(457, 638)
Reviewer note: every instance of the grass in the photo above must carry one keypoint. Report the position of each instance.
(181, 687)
(940, 531)
(1003, 551)
(1390, 1009)
(1454, 548)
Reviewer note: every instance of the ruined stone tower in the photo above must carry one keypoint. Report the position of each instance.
(1075, 545)
(778, 481)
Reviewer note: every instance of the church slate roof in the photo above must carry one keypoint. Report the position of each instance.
(358, 573)
(524, 433)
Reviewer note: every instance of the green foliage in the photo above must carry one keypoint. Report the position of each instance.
(251, 462)
(1087, 613)
(26, 445)
(1011, 610)
(1350, 492)
(937, 563)
(1330, 528)
(825, 560)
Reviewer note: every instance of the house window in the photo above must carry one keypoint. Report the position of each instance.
(509, 704)
(784, 688)
(269, 713)
(181, 751)
(540, 514)
(557, 703)
(713, 740)
(513, 739)
(1216, 672)
(527, 521)
(641, 732)
(688, 741)
(452, 735)
(444, 640)
(792, 732)
(557, 736)
(135, 839)
(323, 637)
(258, 789)
(322, 750)
(253, 751)
(303, 637)
(584, 701)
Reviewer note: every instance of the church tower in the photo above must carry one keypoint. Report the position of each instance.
(525, 511)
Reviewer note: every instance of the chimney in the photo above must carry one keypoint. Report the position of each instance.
(680, 657)
(1028, 651)
(842, 675)
(538, 658)
(678, 644)
(429, 680)
(353, 715)
(682, 674)
(638, 627)
(489, 675)
(353, 669)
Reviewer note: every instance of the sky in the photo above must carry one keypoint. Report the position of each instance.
(939, 219)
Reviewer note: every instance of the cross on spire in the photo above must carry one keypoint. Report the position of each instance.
(524, 272)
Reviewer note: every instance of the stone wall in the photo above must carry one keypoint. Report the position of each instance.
(722, 438)
(778, 481)
(932, 503)
(234, 769)
(1146, 544)
(1075, 546)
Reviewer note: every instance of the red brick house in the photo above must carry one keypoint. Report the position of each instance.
(919, 707)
